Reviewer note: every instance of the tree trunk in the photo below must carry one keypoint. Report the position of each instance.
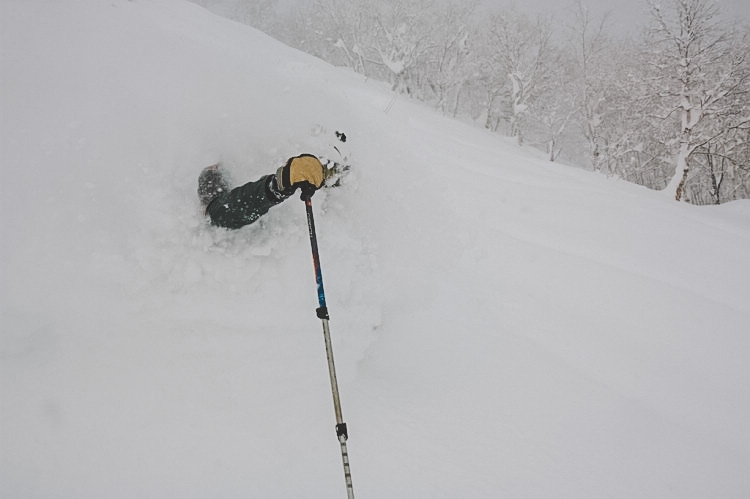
(677, 184)
(680, 190)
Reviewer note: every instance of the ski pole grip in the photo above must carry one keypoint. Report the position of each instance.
(307, 191)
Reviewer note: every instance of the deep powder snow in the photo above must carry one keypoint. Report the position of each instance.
(503, 326)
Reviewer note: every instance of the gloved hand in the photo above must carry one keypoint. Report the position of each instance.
(303, 170)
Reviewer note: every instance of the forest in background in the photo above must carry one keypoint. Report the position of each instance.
(667, 107)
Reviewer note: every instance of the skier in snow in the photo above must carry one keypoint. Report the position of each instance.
(235, 208)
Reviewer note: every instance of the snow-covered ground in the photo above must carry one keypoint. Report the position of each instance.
(503, 326)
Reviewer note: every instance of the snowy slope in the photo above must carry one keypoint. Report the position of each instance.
(503, 326)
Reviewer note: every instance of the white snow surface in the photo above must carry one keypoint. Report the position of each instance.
(502, 326)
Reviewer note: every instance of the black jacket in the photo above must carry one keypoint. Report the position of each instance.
(245, 204)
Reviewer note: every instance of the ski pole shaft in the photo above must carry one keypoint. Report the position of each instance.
(322, 313)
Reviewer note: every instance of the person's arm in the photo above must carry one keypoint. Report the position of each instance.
(245, 204)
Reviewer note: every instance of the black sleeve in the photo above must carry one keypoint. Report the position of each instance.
(245, 204)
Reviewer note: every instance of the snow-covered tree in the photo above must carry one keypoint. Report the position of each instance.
(451, 62)
(403, 40)
(593, 56)
(553, 109)
(338, 31)
(520, 51)
(698, 68)
(421, 48)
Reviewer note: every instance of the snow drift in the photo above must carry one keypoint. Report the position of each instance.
(503, 326)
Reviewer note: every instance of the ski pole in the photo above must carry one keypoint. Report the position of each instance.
(322, 313)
